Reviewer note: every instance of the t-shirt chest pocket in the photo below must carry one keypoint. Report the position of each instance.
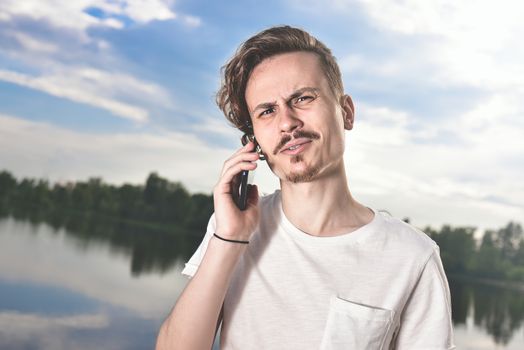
(356, 326)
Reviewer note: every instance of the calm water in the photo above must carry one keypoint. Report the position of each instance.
(98, 286)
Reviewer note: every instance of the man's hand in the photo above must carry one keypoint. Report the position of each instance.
(193, 322)
(231, 222)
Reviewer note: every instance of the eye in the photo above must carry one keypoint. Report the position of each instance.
(304, 99)
(266, 112)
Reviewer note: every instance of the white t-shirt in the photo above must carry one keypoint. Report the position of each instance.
(381, 286)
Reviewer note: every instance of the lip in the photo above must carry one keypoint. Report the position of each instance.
(301, 143)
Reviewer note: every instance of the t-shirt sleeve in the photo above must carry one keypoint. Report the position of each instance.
(192, 265)
(425, 322)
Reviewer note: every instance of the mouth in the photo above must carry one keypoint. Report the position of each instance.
(295, 147)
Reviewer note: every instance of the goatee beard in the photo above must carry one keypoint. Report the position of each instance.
(306, 175)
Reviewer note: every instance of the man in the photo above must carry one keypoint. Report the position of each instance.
(307, 267)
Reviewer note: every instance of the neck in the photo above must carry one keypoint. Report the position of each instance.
(325, 206)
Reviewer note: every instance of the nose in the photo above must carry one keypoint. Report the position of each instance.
(289, 120)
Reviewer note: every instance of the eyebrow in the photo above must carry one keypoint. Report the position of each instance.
(295, 94)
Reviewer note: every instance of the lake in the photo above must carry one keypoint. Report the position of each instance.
(105, 285)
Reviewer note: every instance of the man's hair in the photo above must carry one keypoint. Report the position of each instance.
(270, 42)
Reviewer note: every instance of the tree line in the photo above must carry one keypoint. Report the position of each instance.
(157, 202)
(160, 202)
(498, 255)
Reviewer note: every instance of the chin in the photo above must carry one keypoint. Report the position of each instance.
(297, 178)
(308, 173)
(298, 171)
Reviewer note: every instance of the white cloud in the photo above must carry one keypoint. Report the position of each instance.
(113, 23)
(481, 21)
(147, 10)
(355, 63)
(72, 13)
(33, 44)
(470, 45)
(97, 88)
(473, 42)
(12, 323)
(192, 21)
(219, 127)
(63, 61)
(61, 154)
(383, 126)
(495, 125)
(437, 182)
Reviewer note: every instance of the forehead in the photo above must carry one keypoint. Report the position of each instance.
(280, 75)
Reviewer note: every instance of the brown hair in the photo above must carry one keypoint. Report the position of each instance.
(276, 40)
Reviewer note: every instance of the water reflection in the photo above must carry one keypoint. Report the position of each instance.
(151, 249)
(499, 312)
(85, 283)
(61, 291)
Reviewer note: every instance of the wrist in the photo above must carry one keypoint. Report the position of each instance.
(229, 240)
(232, 234)
(228, 247)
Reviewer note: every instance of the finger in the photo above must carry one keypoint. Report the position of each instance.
(242, 157)
(224, 184)
(236, 169)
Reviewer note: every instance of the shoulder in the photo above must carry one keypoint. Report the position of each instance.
(397, 235)
(404, 233)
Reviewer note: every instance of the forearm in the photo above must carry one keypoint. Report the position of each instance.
(192, 323)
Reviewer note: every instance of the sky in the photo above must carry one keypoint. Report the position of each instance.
(120, 88)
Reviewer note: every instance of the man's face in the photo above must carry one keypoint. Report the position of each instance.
(297, 120)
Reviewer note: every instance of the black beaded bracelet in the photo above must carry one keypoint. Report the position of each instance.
(230, 240)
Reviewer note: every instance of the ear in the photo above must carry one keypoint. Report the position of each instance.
(348, 111)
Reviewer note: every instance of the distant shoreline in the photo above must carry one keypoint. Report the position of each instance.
(518, 286)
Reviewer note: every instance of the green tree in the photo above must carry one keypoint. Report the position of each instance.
(24, 192)
(519, 256)
(488, 262)
(130, 199)
(155, 194)
(507, 240)
(177, 204)
(7, 188)
(42, 195)
(82, 197)
(200, 211)
(457, 247)
(61, 195)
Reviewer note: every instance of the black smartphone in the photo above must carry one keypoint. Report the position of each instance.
(242, 196)
(244, 175)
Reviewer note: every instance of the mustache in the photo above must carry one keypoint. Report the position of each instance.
(297, 134)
